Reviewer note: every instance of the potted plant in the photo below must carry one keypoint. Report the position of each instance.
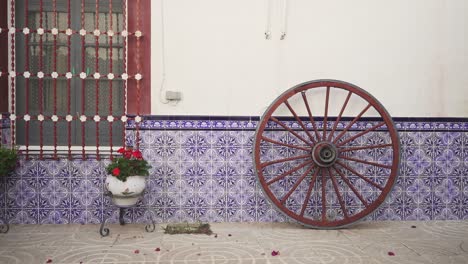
(8, 160)
(126, 177)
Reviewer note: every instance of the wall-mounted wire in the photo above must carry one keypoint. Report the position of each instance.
(162, 87)
(284, 26)
(268, 22)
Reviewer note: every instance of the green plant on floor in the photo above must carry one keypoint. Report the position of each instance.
(131, 163)
(186, 228)
(8, 160)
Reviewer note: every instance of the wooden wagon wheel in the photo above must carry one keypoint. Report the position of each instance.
(330, 171)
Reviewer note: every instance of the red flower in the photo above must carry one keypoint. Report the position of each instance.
(275, 253)
(121, 150)
(116, 172)
(127, 154)
(390, 253)
(137, 154)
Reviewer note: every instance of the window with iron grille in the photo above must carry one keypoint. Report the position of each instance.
(69, 73)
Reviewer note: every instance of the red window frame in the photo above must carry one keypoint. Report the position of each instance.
(139, 104)
(4, 57)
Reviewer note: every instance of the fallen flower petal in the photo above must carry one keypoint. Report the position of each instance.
(136, 251)
(390, 253)
(49, 261)
(275, 253)
(157, 249)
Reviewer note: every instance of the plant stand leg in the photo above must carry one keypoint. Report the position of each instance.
(121, 216)
(4, 226)
(152, 226)
(104, 231)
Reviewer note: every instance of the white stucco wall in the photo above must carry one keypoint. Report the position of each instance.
(411, 55)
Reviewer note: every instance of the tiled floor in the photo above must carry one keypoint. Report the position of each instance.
(367, 242)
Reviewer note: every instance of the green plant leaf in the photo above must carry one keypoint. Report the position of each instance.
(8, 160)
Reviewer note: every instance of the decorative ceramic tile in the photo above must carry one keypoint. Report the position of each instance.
(203, 171)
(5, 135)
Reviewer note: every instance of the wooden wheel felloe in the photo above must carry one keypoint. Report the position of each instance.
(331, 170)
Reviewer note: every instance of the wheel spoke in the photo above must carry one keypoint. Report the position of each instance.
(361, 133)
(355, 191)
(339, 116)
(324, 199)
(289, 172)
(299, 121)
(360, 175)
(325, 116)
(274, 119)
(311, 117)
(340, 199)
(366, 162)
(283, 144)
(352, 123)
(297, 183)
(265, 164)
(365, 147)
(309, 191)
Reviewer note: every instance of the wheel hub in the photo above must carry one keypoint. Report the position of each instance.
(324, 154)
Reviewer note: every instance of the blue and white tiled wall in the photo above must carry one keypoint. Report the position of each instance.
(203, 171)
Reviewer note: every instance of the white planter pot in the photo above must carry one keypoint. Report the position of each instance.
(125, 194)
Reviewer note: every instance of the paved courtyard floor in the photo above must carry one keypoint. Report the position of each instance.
(441, 242)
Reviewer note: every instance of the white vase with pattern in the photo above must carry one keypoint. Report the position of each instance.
(126, 194)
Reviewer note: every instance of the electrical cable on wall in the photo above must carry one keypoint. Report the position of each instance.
(162, 88)
(284, 26)
(268, 22)
(163, 57)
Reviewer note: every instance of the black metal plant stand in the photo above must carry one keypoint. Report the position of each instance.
(104, 231)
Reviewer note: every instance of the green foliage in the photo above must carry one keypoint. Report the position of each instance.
(131, 164)
(8, 160)
(186, 228)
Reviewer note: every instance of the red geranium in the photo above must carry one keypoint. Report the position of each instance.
(116, 172)
(127, 154)
(131, 163)
(137, 154)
